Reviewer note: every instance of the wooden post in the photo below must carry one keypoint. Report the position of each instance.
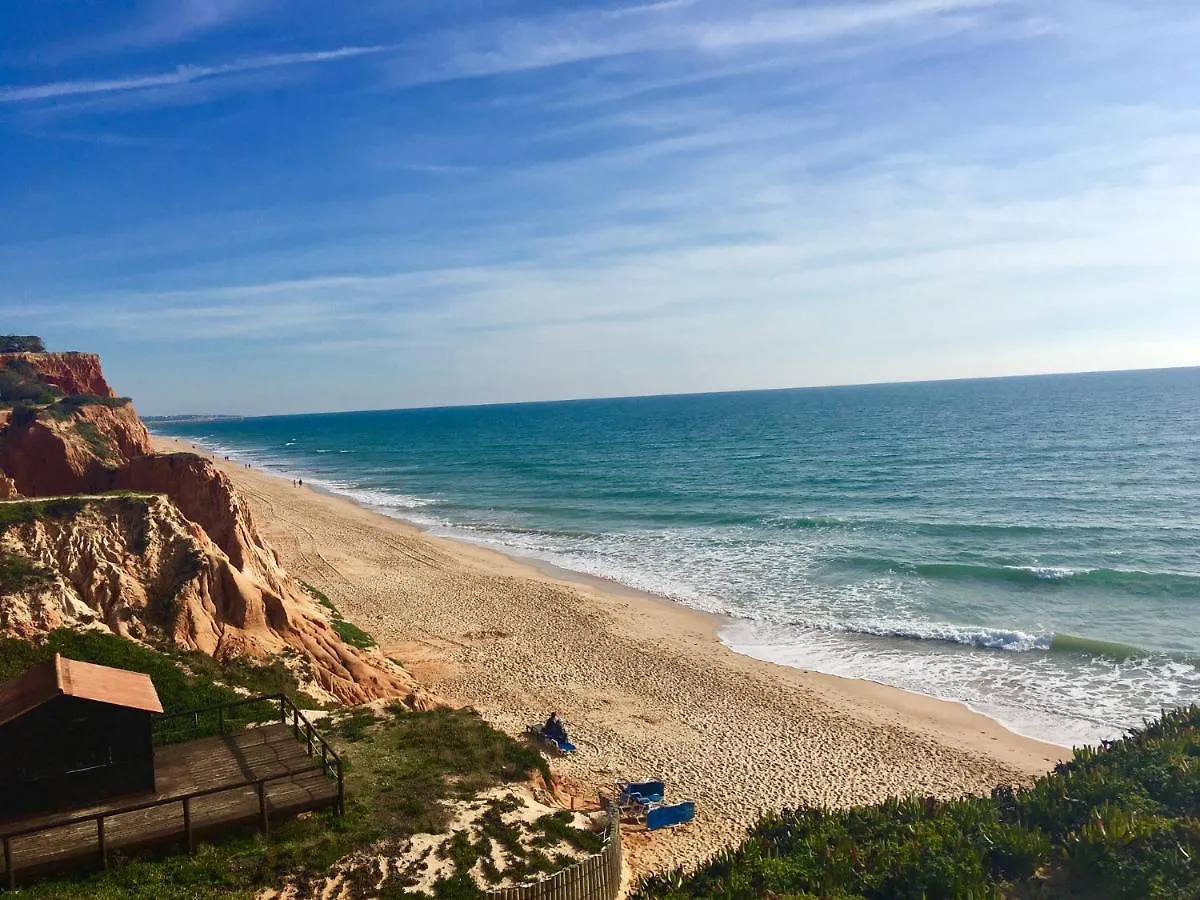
(308, 731)
(295, 722)
(262, 808)
(187, 825)
(100, 840)
(282, 709)
(8, 865)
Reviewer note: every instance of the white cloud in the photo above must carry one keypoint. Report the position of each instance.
(181, 74)
(534, 43)
(159, 24)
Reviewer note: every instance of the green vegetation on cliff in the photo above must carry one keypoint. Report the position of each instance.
(347, 631)
(21, 386)
(178, 689)
(21, 343)
(1122, 821)
(18, 573)
(17, 512)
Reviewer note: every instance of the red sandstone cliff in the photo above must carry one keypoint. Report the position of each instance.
(124, 570)
(72, 373)
(72, 450)
(206, 496)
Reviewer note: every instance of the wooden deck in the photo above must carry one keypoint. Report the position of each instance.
(298, 783)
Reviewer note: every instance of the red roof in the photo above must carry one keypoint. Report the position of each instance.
(62, 677)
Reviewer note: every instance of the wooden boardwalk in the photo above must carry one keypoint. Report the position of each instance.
(297, 783)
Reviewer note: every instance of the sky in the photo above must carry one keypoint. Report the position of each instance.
(273, 206)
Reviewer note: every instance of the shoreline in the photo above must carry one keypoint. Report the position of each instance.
(608, 585)
(717, 621)
(646, 684)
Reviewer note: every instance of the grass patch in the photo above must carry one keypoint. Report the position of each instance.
(22, 511)
(18, 573)
(96, 441)
(1119, 822)
(183, 680)
(177, 689)
(21, 386)
(347, 631)
(75, 401)
(413, 761)
(557, 828)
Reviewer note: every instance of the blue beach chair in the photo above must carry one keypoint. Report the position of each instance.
(668, 815)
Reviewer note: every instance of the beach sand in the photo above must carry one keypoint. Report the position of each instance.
(644, 685)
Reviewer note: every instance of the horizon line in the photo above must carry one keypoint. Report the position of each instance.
(730, 391)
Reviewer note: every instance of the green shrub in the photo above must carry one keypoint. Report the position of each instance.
(20, 512)
(18, 573)
(1118, 821)
(21, 343)
(347, 631)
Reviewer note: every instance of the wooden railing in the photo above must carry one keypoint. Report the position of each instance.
(330, 759)
(598, 877)
(330, 764)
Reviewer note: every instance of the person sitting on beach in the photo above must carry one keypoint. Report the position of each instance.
(554, 729)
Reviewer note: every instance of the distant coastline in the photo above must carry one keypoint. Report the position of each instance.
(184, 419)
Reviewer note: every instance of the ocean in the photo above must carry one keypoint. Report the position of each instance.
(1028, 546)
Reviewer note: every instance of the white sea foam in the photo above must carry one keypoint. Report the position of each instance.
(1054, 698)
(376, 499)
(1049, 573)
(984, 638)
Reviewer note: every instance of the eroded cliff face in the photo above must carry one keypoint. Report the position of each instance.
(189, 563)
(138, 567)
(206, 496)
(71, 373)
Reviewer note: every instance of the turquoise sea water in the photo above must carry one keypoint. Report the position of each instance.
(1030, 546)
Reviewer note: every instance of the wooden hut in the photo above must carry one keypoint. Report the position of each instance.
(74, 734)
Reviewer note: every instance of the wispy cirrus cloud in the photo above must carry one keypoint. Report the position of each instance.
(529, 44)
(160, 24)
(180, 75)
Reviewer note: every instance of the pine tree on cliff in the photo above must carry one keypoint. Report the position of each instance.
(21, 343)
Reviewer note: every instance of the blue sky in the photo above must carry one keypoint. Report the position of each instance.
(259, 206)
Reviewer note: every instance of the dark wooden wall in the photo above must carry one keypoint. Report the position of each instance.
(71, 752)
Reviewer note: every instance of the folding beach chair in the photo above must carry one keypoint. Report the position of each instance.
(642, 791)
(634, 798)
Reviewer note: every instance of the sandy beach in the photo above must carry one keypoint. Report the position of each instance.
(645, 685)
